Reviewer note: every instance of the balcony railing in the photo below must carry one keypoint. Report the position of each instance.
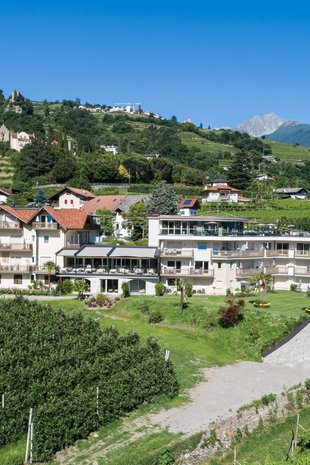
(226, 254)
(243, 272)
(9, 225)
(17, 247)
(169, 271)
(277, 253)
(40, 225)
(302, 253)
(16, 269)
(302, 271)
(177, 253)
(103, 270)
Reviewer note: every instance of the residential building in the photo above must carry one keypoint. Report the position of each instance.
(18, 140)
(218, 190)
(110, 148)
(71, 197)
(217, 254)
(31, 237)
(117, 205)
(264, 177)
(4, 193)
(107, 267)
(299, 193)
(188, 207)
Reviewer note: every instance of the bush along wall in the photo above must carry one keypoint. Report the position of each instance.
(74, 375)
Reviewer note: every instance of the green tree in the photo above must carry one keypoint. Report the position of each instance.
(163, 200)
(81, 286)
(40, 198)
(35, 159)
(51, 269)
(241, 172)
(106, 220)
(136, 220)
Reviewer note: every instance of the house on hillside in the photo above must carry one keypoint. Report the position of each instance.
(218, 190)
(152, 156)
(117, 204)
(4, 193)
(188, 207)
(70, 197)
(110, 148)
(299, 193)
(18, 140)
(264, 177)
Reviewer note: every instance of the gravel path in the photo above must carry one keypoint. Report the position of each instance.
(232, 386)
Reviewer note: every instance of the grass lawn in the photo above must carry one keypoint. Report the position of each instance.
(13, 454)
(272, 443)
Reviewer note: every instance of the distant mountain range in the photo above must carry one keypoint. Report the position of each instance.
(277, 129)
(259, 126)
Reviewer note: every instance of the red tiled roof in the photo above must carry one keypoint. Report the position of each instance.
(218, 188)
(108, 202)
(67, 218)
(75, 190)
(188, 203)
(21, 214)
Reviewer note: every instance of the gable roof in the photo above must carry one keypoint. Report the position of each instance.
(22, 214)
(74, 190)
(220, 188)
(5, 191)
(188, 203)
(67, 218)
(108, 202)
(290, 190)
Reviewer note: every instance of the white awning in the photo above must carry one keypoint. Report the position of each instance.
(67, 253)
(134, 252)
(94, 251)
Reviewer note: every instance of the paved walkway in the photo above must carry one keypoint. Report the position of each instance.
(46, 298)
(229, 387)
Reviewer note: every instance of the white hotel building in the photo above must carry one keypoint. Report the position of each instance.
(218, 253)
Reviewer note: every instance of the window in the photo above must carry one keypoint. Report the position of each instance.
(171, 282)
(219, 265)
(46, 239)
(33, 238)
(71, 201)
(46, 281)
(18, 279)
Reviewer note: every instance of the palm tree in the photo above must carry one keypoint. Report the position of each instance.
(181, 287)
(261, 280)
(51, 269)
(81, 286)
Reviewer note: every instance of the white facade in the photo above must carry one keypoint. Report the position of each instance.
(26, 246)
(18, 140)
(216, 254)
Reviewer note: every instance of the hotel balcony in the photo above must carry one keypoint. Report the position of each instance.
(177, 253)
(179, 273)
(10, 225)
(231, 254)
(277, 253)
(19, 269)
(38, 225)
(16, 247)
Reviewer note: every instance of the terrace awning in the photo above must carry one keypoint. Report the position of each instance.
(67, 252)
(94, 251)
(134, 252)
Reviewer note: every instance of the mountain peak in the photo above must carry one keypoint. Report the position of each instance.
(261, 125)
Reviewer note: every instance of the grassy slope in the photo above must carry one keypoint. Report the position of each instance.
(257, 447)
(288, 152)
(269, 211)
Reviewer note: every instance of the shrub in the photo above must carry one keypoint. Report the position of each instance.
(188, 290)
(66, 287)
(231, 313)
(155, 317)
(144, 307)
(294, 287)
(159, 289)
(125, 289)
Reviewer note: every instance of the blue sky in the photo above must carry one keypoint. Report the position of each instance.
(217, 62)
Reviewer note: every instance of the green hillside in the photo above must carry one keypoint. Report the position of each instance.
(288, 152)
(292, 134)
